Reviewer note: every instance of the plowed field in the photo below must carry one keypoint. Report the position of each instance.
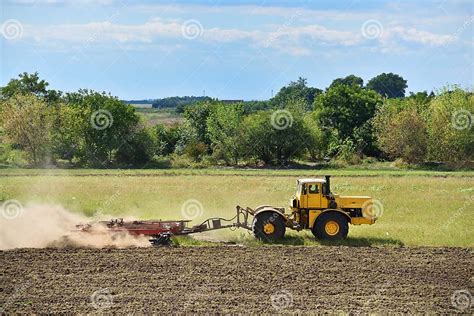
(227, 279)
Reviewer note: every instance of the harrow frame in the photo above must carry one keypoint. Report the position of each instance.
(160, 232)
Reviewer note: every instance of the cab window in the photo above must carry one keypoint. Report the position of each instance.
(313, 189)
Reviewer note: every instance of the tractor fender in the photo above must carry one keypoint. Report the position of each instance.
(268, 208)
(260, 207)
(333, 211)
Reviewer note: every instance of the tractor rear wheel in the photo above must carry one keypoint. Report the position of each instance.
(331, 226)
(268, 226)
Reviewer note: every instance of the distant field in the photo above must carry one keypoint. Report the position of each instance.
(159, 116)
(420, 207)
(142, 105)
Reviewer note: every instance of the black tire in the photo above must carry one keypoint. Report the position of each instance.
(325, 221)
(265, 218)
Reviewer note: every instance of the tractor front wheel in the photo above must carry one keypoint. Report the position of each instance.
(268, 226)
(331, 226)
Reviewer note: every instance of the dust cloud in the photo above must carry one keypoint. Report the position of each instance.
(40, 226)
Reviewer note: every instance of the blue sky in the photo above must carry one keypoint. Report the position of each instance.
(234, 49)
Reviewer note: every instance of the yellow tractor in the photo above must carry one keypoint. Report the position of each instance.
(314, 207)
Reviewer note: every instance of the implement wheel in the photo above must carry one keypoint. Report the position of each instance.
(268, 226)
(330, 226)
(163, 239)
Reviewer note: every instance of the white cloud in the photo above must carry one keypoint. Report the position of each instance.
(428, 14)
(289, 39)
(300, 28)
(421, 37)
(270, 36)
(105, 31)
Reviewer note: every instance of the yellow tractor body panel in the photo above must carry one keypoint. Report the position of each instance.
(351, 201)
(313, 215)
(362, 220)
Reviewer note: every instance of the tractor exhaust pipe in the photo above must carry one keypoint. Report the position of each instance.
(328, 184)
(332, 202)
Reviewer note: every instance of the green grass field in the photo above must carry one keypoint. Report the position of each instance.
(421, 208)
(154, 116)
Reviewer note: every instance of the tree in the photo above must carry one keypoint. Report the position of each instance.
(421, 98)
(389, 85)
(26, 121)
(180, 102)
(138, 149)
(106, 124)
(348, 81)
(69, 123)
(30, 84)
(296, 91)
(270, 144)
(450, 127)
(254, 106)
(348, 109)
(318, 139)
(401, 131)
(197, 116)
(167, 138)
(224, 126)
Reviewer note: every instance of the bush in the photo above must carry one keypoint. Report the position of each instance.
(347, 153)
(369, 160)
(11, 156)
(160, 162)
(400, 163)
(450, 126)
(184, 161)
(401, 131)
(196, 151)
(318, 140)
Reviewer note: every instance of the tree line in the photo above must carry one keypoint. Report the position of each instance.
(346, 123)
(178, 102)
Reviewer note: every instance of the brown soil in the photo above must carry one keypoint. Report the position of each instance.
(226, 279)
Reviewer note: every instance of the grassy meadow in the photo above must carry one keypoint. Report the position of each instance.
(421, 208)
(154, 116)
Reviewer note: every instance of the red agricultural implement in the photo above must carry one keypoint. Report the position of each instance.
(160, 232)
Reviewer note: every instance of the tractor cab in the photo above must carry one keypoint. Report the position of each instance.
(312, 193)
